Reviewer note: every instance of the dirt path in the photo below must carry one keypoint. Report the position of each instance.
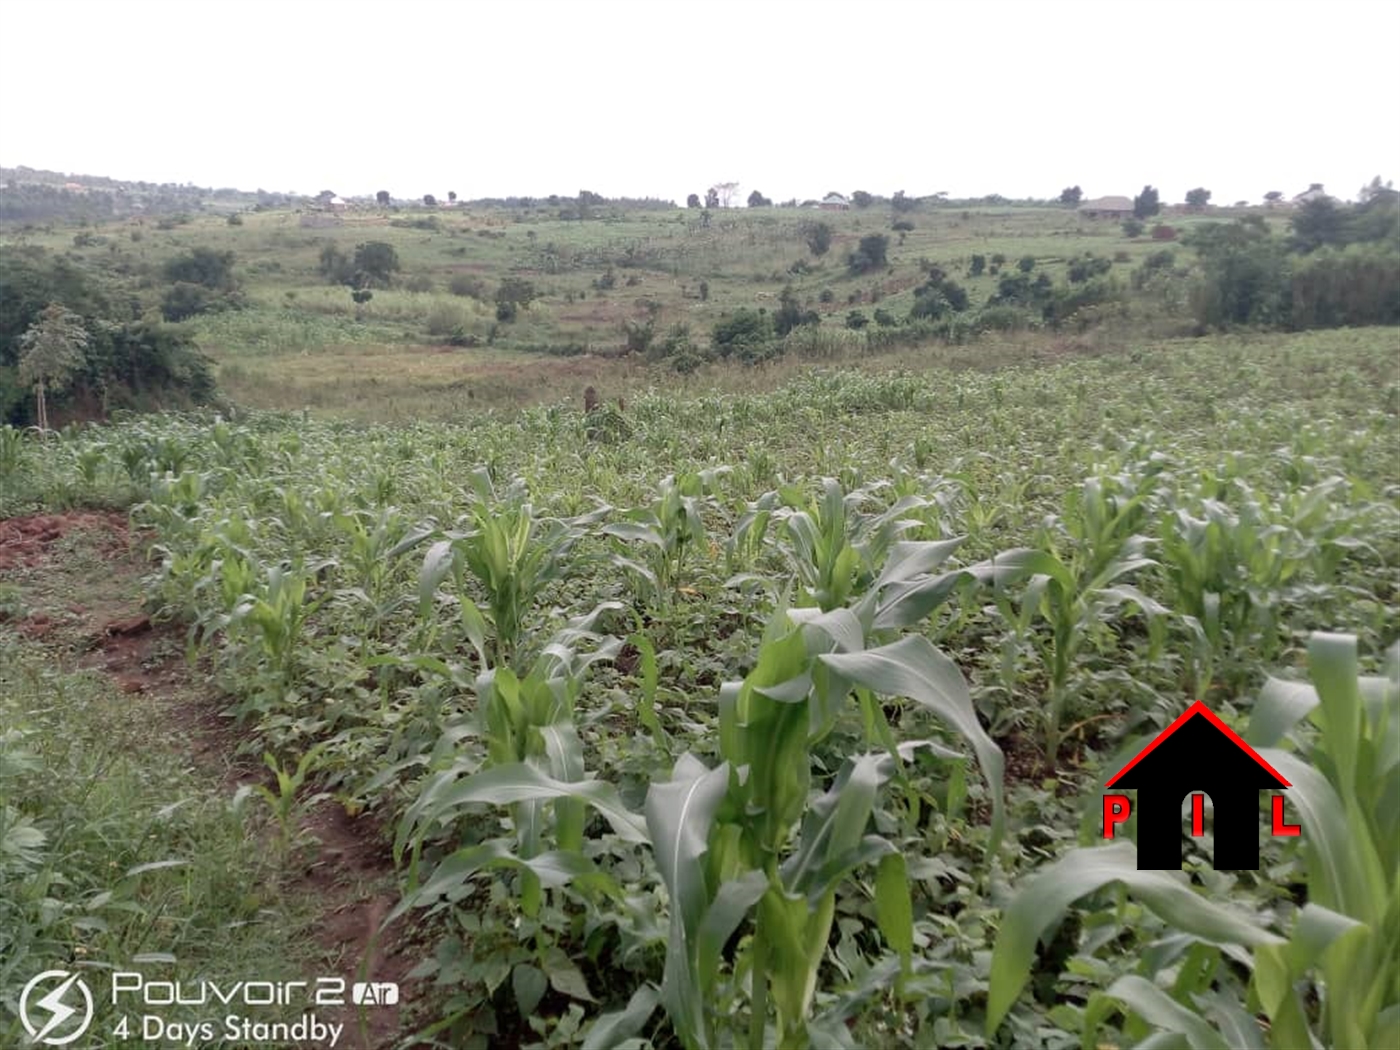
(78, 578)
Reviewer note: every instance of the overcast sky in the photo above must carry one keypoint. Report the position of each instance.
(660, 98)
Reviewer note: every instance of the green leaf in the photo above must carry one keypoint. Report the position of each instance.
(913, 668)
(529, 985)
(437, 565)
(1281, 705)
(1045, 899)
(894, 910)
(1162, 1011)
(612, 1029)
(518, 782)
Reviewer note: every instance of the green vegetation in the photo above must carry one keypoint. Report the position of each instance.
(780, 718)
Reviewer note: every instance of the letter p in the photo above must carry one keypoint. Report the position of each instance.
(1116, 809)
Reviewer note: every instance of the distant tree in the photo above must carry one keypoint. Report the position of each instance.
(1071, 195)
(513, 293)
(1198, 197)
(235, 219)
(758, 200)
(979, 263)
(375, 263)
(818, 236)
(429, 200)
(872, 254)
(1133, 228)
(1147, 203)
(693, 201)
(1373, 189)
(855, 320)
(1317, 223)
(712, 198)
(900, 203)
(452, 195)
(51, 352)
(1026, 263)
(725, 192)
(1273, 196)
(861, 199)
(383, 198)
(206, 266)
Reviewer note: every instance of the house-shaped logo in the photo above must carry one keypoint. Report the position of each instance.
(1197, 755)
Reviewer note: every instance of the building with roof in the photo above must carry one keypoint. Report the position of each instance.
(834, 202)
(1107, 208)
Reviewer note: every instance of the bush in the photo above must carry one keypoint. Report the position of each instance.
(817, 236)
(1162, 232)
(1133, 228)
(1005, 319)
(1026, 263)
(872, 254)
(827, 296)
(202, 266)
(445, 318)
(467, 286)
(235, 219)
(902, 226)
(1087, 267)
(185, 300)
(419, 283)
(745, 334)
(979, 264)
(855, 320)
(1244, 275)
(1357, 286)
(885, 319)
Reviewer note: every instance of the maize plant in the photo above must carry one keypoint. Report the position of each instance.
(668, 530)
(1323, 974)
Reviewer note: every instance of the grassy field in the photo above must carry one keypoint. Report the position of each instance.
(302, 343)
(775, 708)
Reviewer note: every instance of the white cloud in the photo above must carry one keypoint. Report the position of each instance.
(1018, 97)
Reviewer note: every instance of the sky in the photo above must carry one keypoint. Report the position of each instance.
(659, 98)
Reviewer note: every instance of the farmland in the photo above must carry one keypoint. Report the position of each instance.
(775, 707)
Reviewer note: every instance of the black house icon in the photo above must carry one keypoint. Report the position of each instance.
(1198, 753)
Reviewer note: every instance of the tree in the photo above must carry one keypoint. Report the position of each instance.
(1071, 195)
(1373, 189)
(861, 199)
(452, 195)
(383, 198)
(51, 352)
(1198, 197)
(1317, 223)
(818, 237)
(900, 203)
(712, 198)
(205, 266)
(1273, 197)
(870, 255)
(693, 201)
(375, 263)
(724, 192)
(758, 200)
(1133, 228)
(429, 200)
(513, 293)
(1147, 203)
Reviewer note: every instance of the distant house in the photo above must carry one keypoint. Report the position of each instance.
(337, 204)
(835, 202)
(1107, 208)
(1312, 193)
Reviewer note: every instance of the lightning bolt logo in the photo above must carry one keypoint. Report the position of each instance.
(55, 1007)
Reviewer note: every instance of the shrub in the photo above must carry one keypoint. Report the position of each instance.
(827, 296)
(978, 265)
(998, 259)
(1087, 267)
(872, 254)
(185, 300)
(855, 320)
(445, 318)
(203, 266)
(745, 334)
(468, 286)
(235, 219)
(817, 236)
(419, 283)
(1133, 228)
(1162, 232)
(885, 319)
(1357, 286)
(1026, 263)
(902, 226)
